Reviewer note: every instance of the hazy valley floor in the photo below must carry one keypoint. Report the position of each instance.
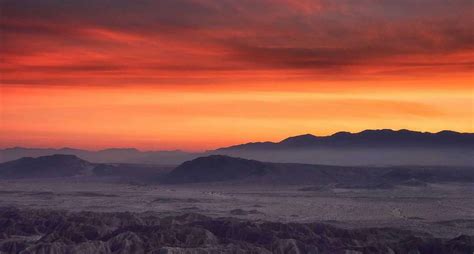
(443, 210)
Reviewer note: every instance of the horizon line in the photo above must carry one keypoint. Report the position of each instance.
(216, 148)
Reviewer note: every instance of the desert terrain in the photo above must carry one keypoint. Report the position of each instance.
(62, 203)
(443, 210)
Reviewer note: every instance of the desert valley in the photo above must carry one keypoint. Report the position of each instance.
(217, 203)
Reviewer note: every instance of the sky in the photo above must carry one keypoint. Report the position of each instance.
(201, 74)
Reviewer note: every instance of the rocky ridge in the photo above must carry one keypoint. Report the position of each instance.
(45, 231)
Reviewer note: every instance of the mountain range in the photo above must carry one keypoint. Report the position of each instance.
(112, 155)
(226, 169)
(367, 139)
(366, 148)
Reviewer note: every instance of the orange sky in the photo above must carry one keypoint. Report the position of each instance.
(199, 74)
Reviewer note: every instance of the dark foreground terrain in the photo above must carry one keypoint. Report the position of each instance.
(49, 231)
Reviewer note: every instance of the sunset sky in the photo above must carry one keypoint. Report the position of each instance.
(200, 74)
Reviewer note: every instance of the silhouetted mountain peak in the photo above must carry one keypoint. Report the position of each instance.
(449, 133)
(120, 150)
(300, 140)
(342, 134)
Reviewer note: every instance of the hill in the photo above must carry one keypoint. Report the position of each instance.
(61, 165)
(58, 165)
(217, 168)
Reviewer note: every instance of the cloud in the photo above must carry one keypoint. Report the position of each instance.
(189, 39)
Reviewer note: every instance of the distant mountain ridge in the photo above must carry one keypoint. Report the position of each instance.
(368, 138)
(110, 155)
(367, 148)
